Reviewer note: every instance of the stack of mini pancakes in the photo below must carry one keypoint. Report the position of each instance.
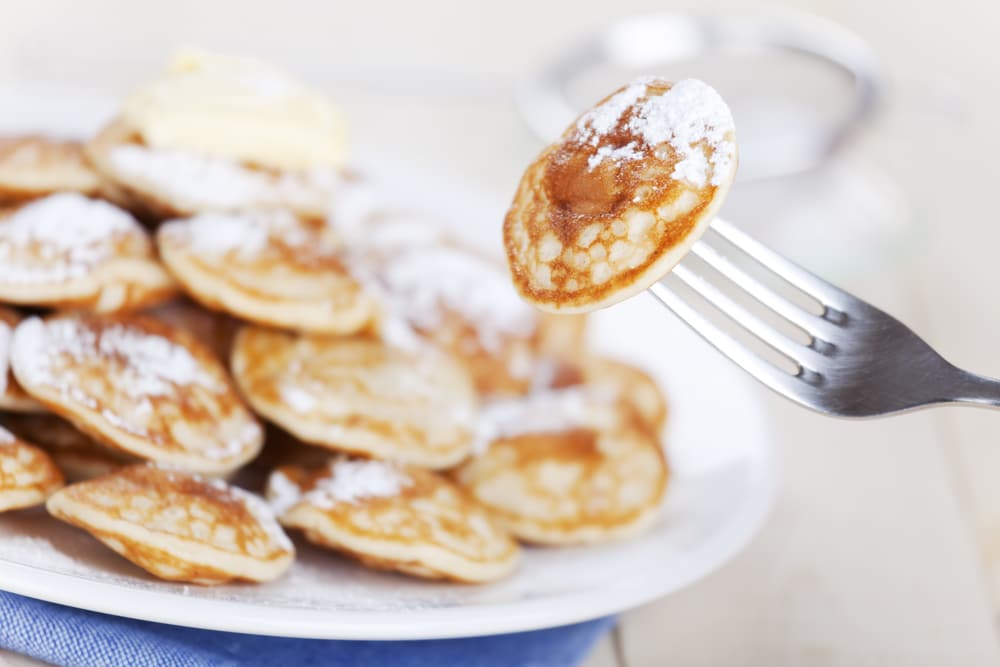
(182, 331)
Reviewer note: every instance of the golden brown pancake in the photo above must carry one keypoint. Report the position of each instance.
(612, 206)
(27, 474)
(267, 267)
(179, 526)
(70, 251)
(12, 397)
(359, 395)
(393, 518)
(211, 328)
(139, 385)
(164, 184)
(34, 166)
(75, 453)
(567, 466)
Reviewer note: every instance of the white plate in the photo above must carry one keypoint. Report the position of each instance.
(723, 483)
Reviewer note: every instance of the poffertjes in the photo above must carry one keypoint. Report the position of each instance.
(394, 518)
(27, 474)
(612, 206)
(139, 385)
(267, 267)
(34, 166)
(67, 250)
(179, 526)
(359, 395)
(569, 466)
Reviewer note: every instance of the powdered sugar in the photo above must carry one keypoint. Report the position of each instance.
(691, 117)
(282, 493)
(264, 513)
(199, 183)
(151, 365)
(297, 398)
(422, 282)
(350, 481)
(60, 237)
(219, 233)
(6, 437)
(545, 411)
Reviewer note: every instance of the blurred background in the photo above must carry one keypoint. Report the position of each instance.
(885, 544)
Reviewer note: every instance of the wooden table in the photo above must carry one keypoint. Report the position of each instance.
(884, 547)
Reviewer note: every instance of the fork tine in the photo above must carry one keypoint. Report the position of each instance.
(798, 353)
(788, 385)
(815, 326)
(792, 273)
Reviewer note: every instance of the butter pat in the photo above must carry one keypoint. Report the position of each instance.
(239, 109)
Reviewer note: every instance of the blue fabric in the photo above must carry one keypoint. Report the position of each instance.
(67, 636)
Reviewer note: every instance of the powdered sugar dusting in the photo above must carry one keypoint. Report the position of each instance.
(282, 493)
(264, 513)
(219, 234)
(6, 437)
(60, 237)
(546, 411)
(423, 282)
(691, 117)
(350, 481)
(297, 398)
(198, 182)
(152, 365)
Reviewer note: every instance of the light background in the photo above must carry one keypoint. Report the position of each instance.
(885, 545)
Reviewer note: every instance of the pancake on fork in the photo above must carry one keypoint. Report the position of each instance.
(34, 166)
(139, 385)
(567, 466)
(612, 206)
(70, 251)
(393, 518)
(179, 526)
(75, 453)
(359, 395)
(267, 267)
(12, 397)
(27, 474)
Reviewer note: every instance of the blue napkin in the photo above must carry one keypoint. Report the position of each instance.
(67, 636)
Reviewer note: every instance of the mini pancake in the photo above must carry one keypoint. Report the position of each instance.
(171, 183)
(612, 206)
(27, 474)
(461, 301)
(394, 518)
(267, 267)
(70, 251)
(138, 385)
(34, 166)
(75, 453)
(359, 395)
(213, 329)
(179, 526)
(12, 397)
(567, 467)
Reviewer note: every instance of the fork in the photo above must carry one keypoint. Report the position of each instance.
(854, 360)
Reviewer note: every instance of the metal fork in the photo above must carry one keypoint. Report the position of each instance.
(857, 361)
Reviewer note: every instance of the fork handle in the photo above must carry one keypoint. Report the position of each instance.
(974, 389)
